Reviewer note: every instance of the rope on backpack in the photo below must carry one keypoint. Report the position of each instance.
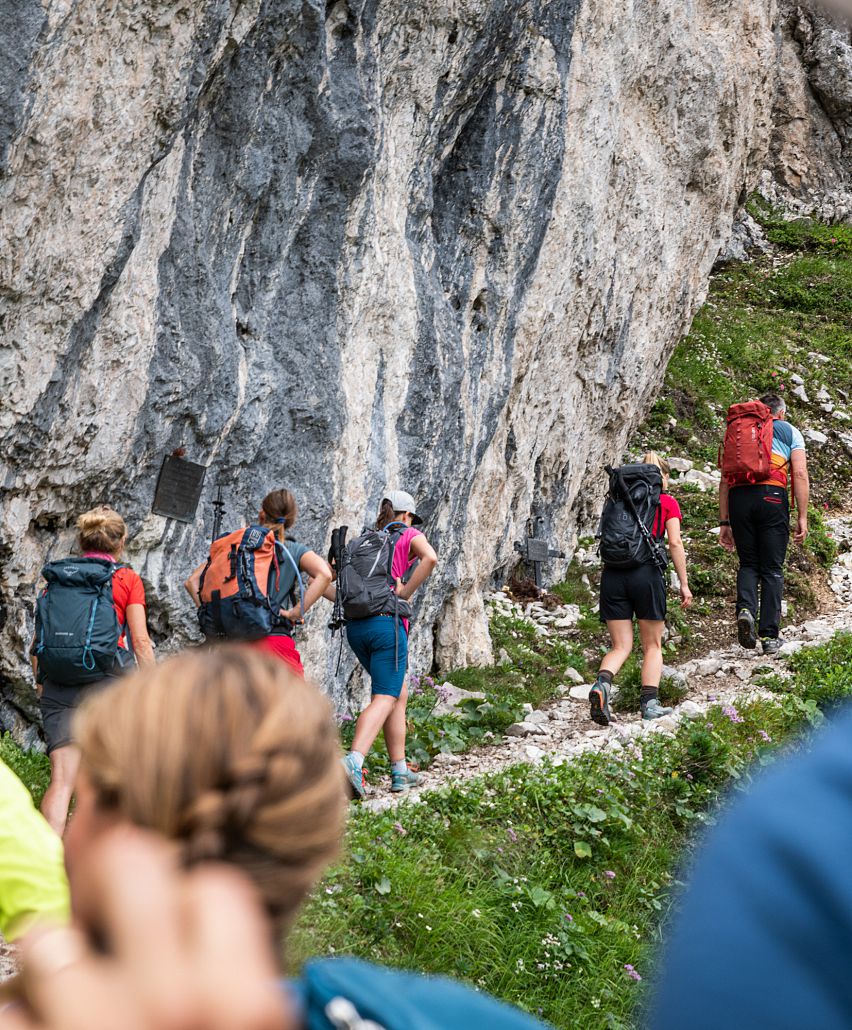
(88, 654)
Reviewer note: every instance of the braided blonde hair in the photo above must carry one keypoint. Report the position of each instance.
(229, 752)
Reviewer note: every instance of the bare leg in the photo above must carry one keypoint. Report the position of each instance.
(64, 764)
(371, 720)
(621, 635)
(651, 635)
(394, 728)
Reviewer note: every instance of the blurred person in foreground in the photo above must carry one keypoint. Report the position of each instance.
(33, 886)
(234, 760)
(764, 934)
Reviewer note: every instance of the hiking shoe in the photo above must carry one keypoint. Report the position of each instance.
(745, 629)
(354, 777)
(404, 780)
(599, 701)
(654, 710)
(771, 646)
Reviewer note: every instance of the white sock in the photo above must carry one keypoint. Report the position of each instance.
(359, 758)
(399, 767)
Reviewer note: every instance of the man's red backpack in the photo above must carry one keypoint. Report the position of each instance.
(745, 456)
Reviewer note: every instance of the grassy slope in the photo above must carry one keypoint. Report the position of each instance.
(541, 885)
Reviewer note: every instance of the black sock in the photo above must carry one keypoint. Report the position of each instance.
(606, 676)
(648, 694)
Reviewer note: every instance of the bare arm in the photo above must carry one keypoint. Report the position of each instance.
(801, 492)
(138, 627)
(320, 572)
(423, 550)
(193, 584)
(726, 535)
(678, 554)
(34, 662)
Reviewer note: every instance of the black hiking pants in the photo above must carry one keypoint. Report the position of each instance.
(760, 521)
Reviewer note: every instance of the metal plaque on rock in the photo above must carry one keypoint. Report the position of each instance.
(178, 489)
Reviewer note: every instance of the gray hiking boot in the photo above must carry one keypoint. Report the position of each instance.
(354, 777)
(599, 701)
(654, 710)
(771, 646)
(745, 629)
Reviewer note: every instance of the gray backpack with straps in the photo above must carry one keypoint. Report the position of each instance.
(365, 579)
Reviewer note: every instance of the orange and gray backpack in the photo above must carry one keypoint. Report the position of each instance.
(745, 456)
(235, 585)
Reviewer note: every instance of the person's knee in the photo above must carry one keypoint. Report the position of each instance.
(63, 767)
(623, 648)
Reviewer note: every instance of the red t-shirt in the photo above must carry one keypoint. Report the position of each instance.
(127, 589)
(668, 509)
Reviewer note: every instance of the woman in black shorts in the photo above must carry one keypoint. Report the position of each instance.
(640, 592)
(102, 534)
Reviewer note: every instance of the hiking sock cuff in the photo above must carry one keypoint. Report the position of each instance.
(359, 758)
(606, 676)
(648, 694)
(399, 767)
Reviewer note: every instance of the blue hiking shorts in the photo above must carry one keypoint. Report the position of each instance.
(381, 650)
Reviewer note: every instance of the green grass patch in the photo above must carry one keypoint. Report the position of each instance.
(541, 885)
(763, 322)
(31, 767)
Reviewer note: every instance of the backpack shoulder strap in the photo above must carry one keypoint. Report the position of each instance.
(296, 569)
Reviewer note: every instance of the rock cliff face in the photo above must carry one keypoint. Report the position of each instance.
(346, 245)
(810, 160)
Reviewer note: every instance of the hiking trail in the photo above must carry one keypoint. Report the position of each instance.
(561, 729)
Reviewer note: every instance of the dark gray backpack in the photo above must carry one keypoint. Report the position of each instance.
(76, 627)
(630, 516)
(365, 580)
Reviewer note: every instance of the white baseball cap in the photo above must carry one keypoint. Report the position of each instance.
(403, 501)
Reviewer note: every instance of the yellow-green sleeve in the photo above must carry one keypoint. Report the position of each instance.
(33, 885)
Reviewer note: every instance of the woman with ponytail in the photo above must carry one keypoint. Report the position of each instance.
(287, 593)
(381, 646)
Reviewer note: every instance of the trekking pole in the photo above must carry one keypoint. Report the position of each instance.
(338, 620)
(218, 511)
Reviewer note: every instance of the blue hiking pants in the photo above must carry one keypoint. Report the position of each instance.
(380, 644)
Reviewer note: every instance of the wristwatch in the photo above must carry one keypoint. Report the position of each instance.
(724, 522)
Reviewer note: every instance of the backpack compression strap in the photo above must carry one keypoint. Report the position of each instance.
(398, 534)
(298, 579)
(656, 556)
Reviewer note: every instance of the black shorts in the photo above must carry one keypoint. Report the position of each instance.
(58, 704)
(628, 592)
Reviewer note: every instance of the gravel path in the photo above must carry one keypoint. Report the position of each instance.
(562, 729)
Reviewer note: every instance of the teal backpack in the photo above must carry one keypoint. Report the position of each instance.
(76, 628)
(348, 994)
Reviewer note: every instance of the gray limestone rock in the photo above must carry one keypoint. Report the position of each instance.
(452, 696)
(526, 729)
(814, 437)
(344, 247)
